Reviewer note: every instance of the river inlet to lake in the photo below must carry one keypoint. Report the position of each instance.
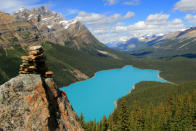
(95, 97)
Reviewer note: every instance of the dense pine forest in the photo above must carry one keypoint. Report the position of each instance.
(80, 38)
(174, 111)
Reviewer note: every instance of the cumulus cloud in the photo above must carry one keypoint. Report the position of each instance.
(70, 12)
(191, 18)
(110, 2)
(154, 24)
(10, 6)
(186, 5)
(110, 28)
(102, 25)
(133, 2)
(125, 2)
(101, 19)
(129, 15)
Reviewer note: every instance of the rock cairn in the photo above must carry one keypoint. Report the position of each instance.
(35, 62)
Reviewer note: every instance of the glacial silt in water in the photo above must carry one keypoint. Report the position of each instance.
(95, 97)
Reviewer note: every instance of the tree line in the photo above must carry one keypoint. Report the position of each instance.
(178, 113)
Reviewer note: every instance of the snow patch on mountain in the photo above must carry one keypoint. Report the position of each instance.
(67, 24)
(21, 10)
(50, 26)
(46, 17)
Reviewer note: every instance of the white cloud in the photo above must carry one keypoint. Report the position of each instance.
(127, 2)
(110, 2)
(111, 28)
(129, 15)
(191, 18)
(186, 5)
(102, 25)
(154, 24)
(101, 19)
(70, 12)
(10, 6)
(157, 18)
(133, 2)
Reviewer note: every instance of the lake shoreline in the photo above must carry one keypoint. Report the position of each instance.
(129, 84)
(116, 102)
(117, 68)
(133, 87)
(159, 76)
(95, 75)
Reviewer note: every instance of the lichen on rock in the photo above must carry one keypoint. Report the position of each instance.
(32, 102)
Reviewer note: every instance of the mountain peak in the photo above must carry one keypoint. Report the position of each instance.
(21, 10)
(56, 29)
(43, 24)
(43, 8)
(43, 11)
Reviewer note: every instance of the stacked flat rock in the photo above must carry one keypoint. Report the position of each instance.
(35, 62)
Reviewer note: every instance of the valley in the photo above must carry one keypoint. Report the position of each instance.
(75, 55)
(118, 81)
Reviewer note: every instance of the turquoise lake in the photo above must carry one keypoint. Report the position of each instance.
(96, 97)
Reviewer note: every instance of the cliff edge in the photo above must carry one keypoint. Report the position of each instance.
(32, 102)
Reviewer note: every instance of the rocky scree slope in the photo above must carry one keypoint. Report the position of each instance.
(72, 51)
(56, 29)
(17, 32)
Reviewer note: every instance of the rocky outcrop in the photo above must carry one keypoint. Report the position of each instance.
(78, 75)
(31, 101)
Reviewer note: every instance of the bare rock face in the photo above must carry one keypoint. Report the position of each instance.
(54, 28)
(17, 31)
(31, 102)
(30, 27)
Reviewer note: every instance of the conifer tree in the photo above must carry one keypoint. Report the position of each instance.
(149, 121)
(94, 125)
(132, 121)
(124, 116)
(97, 126)
(82, 122)
(115, 121)
(110, 122)
(178, 113)
(105, 123)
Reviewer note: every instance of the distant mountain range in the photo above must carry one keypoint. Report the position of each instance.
(71, 49)
(172, 44)
(133, 43)
(129, 45)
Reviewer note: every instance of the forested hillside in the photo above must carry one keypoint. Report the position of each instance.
(70, 65)
(152, 106)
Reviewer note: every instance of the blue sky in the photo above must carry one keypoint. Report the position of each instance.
(119, 20)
